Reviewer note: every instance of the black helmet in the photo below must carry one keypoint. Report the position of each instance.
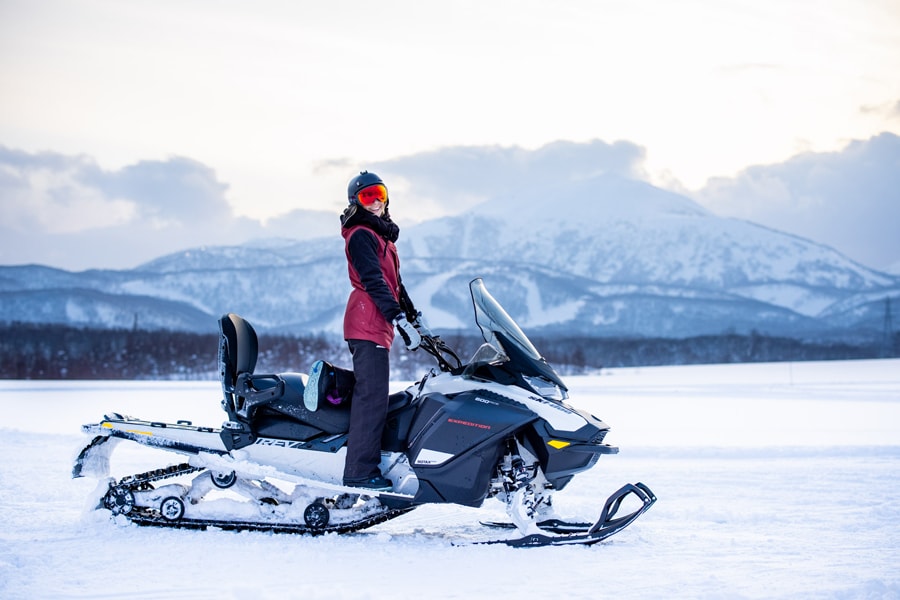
(363, 180)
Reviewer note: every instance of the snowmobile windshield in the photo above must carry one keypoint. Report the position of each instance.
(491, 318)
(500, 331)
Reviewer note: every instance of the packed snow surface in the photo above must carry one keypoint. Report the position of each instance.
(774, 481)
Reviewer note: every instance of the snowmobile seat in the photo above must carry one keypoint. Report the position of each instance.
(273, 404)
(288, 418)
(328, 418)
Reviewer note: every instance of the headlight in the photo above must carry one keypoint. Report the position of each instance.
(547, 389)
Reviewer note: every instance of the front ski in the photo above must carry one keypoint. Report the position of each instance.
(606, 526)
(549, 525)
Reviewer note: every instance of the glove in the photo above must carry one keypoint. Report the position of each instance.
(419, 323)
(408, 332)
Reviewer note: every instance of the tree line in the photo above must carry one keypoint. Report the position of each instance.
(43, 351)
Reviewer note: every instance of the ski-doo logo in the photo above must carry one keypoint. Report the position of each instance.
(278, 443)
(469, 423)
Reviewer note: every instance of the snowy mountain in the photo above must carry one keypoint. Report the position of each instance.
(603, 256)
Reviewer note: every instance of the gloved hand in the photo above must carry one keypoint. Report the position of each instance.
(408, 332)
(421, 327)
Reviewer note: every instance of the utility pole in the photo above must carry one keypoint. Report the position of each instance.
(887, 335)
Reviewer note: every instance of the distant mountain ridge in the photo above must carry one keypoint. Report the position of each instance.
(600, 257)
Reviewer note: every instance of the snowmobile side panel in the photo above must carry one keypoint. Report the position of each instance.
(401, 414)
(465, 480)
(462, 423)
(457, 449)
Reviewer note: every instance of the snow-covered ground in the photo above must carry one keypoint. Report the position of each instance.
(774, 481)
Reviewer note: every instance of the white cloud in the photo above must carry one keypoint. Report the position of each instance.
(69, 212)
(450, 180)
(849, 200)
(120, 218)
(46, 193)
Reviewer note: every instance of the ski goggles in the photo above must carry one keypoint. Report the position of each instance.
(368, 196)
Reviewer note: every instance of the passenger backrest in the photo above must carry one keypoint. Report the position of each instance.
(238, 349)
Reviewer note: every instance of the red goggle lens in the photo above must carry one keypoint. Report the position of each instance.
(371, 194)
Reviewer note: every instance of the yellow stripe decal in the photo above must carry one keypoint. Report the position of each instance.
(558, 444)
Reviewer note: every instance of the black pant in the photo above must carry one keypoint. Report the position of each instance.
(368, 411)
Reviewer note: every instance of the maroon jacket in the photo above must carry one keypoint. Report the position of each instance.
(374, 269)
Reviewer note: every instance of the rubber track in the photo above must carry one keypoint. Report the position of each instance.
(150, 517)
(143, 516)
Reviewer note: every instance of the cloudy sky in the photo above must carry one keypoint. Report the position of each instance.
(129, 129)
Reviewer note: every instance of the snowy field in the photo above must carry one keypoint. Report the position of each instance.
(774, 481)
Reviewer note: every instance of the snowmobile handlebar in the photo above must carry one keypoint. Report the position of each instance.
(435, 346)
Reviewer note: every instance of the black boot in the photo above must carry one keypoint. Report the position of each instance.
(377, 483)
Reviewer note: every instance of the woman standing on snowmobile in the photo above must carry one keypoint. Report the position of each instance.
(378, 303)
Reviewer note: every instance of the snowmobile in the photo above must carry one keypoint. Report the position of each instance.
(497, 427)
